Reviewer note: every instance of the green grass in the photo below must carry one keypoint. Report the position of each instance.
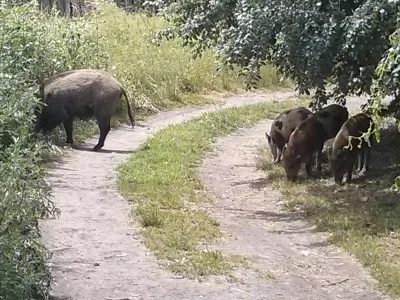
(161, 181)
(164, 75)
(363, 218)
(156, 77)
(268, 276)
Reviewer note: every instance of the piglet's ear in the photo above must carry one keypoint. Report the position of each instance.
(268, 137)
(284, 148)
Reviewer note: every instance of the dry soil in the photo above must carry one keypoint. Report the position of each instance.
(98, 253)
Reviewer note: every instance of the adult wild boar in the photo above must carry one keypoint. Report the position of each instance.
(81, 94)
(332, 118)
(308, 138)
(341, 160)
(283, 125)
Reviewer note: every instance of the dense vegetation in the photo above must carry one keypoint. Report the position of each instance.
(312, 42)
(335, 47)
(34, 45)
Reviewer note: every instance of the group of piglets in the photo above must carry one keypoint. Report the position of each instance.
(297, 134)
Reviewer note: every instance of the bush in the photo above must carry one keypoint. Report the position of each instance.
(312, 42)
(387, 83)
(160, 74)
(35, 45)
(24, 196)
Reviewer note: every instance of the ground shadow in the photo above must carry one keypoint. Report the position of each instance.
(367, 204)
(90, 149)
(265, 215)
(256, 184)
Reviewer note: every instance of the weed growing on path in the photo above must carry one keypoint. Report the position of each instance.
(161, 181)
(363, 217)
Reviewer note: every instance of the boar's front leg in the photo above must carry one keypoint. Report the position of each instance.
(360, 159)
(366, 155)
(350, 164)
(278, 156)
(308, 163)
(319, 161)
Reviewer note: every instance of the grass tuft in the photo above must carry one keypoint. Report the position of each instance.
(161, 181)
(268, 276)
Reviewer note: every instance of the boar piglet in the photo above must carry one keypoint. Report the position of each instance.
(341, 160)
(284, 124)
(308, 138)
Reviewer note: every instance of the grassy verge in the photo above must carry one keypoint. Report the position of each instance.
(161, 181)
(35, 45)
(363, 217)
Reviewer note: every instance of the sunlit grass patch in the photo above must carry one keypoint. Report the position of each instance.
(161, 181)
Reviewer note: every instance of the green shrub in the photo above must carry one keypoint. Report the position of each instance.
(35, 45)
(159, 75)
(32, 47)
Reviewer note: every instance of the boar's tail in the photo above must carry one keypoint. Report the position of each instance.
(131, 118)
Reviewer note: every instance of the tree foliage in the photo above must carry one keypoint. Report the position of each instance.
(387, 84)
(337, 47)
(317, 44)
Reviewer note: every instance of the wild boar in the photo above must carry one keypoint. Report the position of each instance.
(341, 160)
(81, 94)
(283, 125)
(332, 118)
(308, 138)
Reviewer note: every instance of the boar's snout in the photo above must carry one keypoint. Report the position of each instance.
(338, 168)
(339, 180)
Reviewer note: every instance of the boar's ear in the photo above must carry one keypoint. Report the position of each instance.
(268, 137)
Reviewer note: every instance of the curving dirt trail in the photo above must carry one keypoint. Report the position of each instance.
(97, 252)
(285, 246)
(99, 255)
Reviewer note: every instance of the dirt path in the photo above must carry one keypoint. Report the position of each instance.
(97, 253)
(298, 262)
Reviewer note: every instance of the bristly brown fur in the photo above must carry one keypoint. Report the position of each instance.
(282, 127)
(82, 93)
(342, 160)
(307, 139)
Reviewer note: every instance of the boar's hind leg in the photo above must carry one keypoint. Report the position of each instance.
(104, 126)
(68, 129)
